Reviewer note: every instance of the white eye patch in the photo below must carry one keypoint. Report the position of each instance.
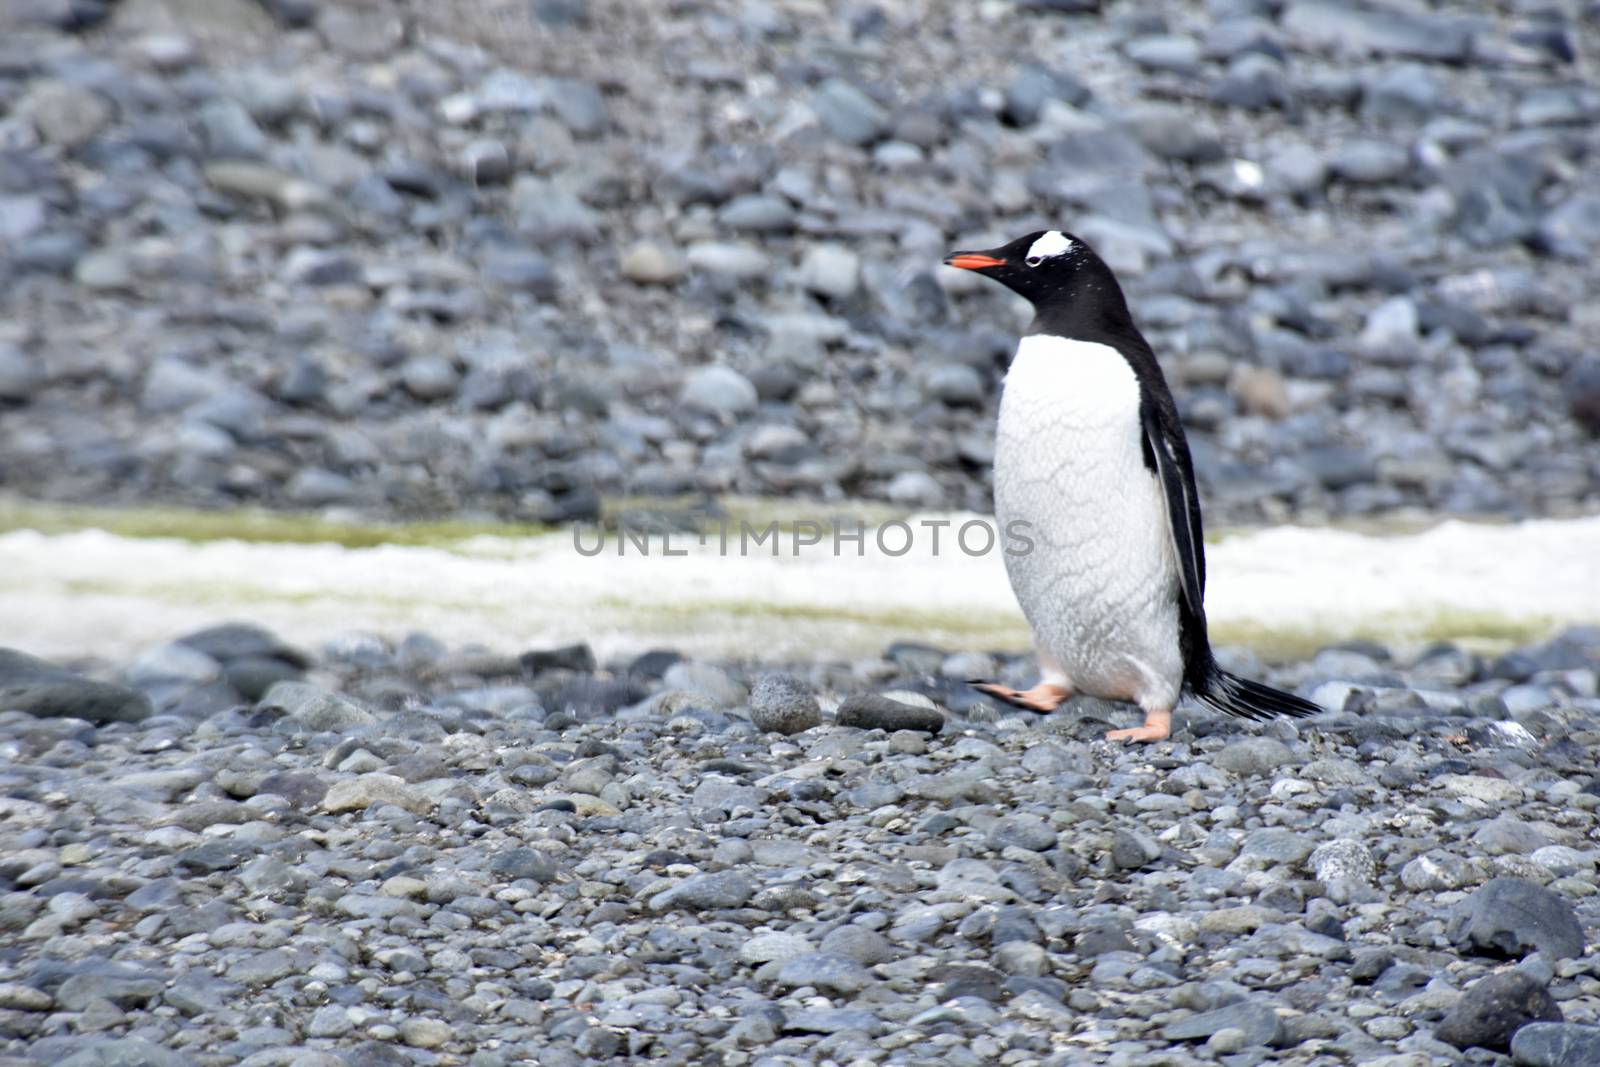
(1051, 244)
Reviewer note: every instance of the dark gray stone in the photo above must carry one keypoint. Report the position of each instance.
(1582, 387)
(20, 374)
(1131, 850)
(526, 272)
(590, 696)
(303, 790)
(968, 980)
(1102, 936)
(566, 658)
(1033, 87)
(1511, 917)
(251, 678)
(41, 688)
(1027, 832)
(241, 640)
(868, 711)
(1493, 1009)
(1254, 82)
(833, 1021)
(1061, 7)
(519, 863)
(1369, 162)
(1258, 1019)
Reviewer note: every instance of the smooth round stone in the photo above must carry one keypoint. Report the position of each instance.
(783, 704)
(720, 390)
(650, 263)
(426, 1033)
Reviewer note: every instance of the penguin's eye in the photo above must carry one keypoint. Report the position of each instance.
(1034, 261)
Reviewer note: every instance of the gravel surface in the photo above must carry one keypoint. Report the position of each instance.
(516, 258)
(402, 853)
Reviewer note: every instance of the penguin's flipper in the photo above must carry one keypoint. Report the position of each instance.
(1042, 698)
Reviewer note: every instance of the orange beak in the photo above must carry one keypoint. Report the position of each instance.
(973, 261)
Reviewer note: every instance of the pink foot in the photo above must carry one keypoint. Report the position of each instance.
(1157, 727)
(1041, 698)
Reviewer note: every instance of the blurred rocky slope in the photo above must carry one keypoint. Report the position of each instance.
(515, 258)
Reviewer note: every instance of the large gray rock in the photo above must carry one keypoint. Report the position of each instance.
(1033, 88)
(360, 793)
(1253, 755)
(42, 688)
(1494, 1008)
(124, 985)
(1511, 917)
(1543, 1044)
(826, 972)
(1382, 29)
(230, 641)
(767, 948)
(848, 113)
(1258, 1019)
(865, 946)
(316, 708)
(706, 892)
(1021, 831)
(123, 1052)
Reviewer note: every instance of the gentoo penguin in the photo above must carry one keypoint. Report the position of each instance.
(1090, 453)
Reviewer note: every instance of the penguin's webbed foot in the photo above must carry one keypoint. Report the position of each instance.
(1043, 698)
(1157, 727)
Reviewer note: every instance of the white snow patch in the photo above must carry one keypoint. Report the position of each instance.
(95, 593)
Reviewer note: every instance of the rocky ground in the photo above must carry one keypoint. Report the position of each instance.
(230, 851)
(516, 257)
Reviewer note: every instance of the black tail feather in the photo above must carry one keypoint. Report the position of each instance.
(1232, 695)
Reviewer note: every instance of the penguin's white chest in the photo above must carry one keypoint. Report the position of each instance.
(1100, 585)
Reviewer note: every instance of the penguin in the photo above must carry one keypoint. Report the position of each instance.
(1091, 456)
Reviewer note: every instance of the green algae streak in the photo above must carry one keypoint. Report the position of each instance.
(248, 524)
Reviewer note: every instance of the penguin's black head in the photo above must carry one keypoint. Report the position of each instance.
(1049, 267)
